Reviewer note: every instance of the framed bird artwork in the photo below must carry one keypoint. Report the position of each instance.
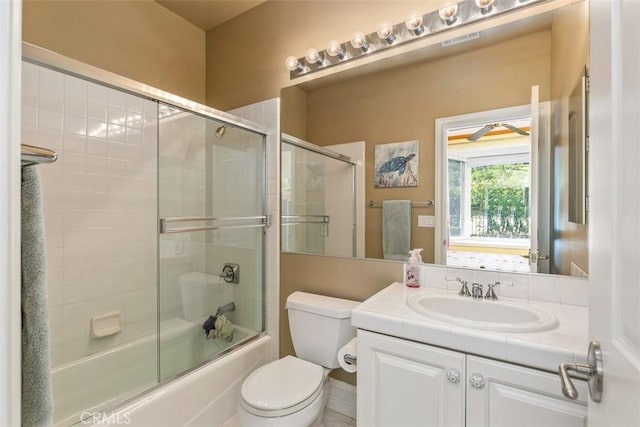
(396, 165)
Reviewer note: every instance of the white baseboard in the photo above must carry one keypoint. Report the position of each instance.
(342, 398)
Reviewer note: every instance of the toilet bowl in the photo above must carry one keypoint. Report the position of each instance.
(288, 392)
(293, 391)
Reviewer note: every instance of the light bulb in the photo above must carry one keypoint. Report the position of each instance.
(385, 32)
(448, 13)
(292, 64)
(485, 5)
(313, 57)
(414, 23)
(359, 41)
(334, 48)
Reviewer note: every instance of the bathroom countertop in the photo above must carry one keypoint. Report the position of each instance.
(387, 312)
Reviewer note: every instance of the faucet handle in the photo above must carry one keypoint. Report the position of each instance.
(464, 290)
(491, 295)
(476, 290)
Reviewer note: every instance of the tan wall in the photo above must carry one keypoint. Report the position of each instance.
(570, 53)
(402, 104)
(138, 39)
(355, 279)
(245, 56)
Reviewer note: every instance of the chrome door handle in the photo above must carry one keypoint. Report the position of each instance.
(592, 371)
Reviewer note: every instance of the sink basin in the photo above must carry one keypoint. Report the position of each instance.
(483, 314)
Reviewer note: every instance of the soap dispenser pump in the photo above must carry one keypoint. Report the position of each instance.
(412, 269)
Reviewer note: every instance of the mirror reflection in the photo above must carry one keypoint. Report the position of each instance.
(501, 200)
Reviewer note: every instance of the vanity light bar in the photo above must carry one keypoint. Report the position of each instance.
(451, 15)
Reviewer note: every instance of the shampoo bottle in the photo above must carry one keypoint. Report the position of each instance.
(412, 269)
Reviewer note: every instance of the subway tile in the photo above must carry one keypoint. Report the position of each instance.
(29, 95)
(116, 115)
(75, 105)
(50, 138)
(50, 79)
(96, 146)
(29, 115)
(97, 93)
(96, 164)
(75, 143)
(116, 132)
(30, 73)
(96, 128)
(97, 110)
(75, 162)
(75, 124)
(74, 86)
(50, 119)
(50, 99)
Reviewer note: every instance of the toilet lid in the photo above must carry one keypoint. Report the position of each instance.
(282, 384)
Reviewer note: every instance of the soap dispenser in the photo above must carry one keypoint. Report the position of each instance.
(412, 269)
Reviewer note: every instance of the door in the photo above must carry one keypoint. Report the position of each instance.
(533, 180)
(614, 241)
(505, 395)
(403, 383)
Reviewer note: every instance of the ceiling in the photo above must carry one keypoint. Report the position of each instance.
(207, 14)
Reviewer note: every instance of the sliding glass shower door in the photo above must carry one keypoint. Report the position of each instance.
(318, 200)
(211, 194)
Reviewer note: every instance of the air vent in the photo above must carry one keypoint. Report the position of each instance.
(461, 39)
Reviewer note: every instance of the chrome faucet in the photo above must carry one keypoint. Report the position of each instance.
(464, 290)
(476, 290)
(490, 293)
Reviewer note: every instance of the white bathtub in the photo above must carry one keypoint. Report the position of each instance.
(85, 388)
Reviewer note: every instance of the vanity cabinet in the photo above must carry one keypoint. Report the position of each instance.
(403, 383)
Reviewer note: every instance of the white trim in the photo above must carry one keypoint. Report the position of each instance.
(443, 126)
(342, 398)
(10, 69)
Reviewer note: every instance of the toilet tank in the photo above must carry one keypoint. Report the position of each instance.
(319, 326)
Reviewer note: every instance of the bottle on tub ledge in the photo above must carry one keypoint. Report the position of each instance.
(412, 269)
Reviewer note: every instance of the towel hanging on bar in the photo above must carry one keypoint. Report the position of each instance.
(32, 155)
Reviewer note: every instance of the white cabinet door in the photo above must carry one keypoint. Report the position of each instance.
(403, 384)
(505, 395)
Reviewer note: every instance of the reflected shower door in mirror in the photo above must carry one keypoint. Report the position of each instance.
(318, 196)
(400, 98)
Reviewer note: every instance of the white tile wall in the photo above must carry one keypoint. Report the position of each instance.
(267, 113)
(539, 287)
(99, 206)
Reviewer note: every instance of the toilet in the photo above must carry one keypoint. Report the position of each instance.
(293, 391)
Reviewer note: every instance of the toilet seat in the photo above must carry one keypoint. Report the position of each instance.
(282, 387)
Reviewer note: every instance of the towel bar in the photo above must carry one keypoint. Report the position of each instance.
(426, 204)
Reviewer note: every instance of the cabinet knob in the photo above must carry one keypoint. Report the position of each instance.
(453, 375)
(476, 381)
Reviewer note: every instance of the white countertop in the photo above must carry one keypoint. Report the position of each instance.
(387, 312)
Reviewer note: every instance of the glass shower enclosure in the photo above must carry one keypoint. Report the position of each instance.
(155, 223)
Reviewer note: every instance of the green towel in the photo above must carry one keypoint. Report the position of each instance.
(396, 229)
(37, 398)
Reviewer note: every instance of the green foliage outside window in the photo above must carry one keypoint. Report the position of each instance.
(500, 201)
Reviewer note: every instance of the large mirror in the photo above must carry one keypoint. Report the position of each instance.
(489, 164)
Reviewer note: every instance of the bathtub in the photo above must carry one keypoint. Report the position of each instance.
(127, 370)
